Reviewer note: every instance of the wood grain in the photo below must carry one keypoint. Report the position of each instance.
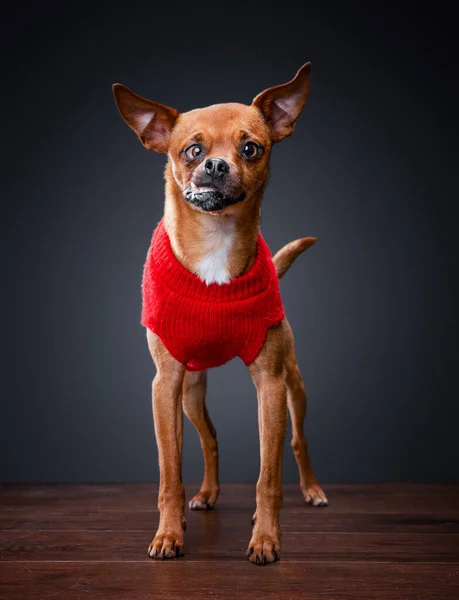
(281, 581)
(375, 541)
(308, 521)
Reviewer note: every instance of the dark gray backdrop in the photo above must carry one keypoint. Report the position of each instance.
(368, 171)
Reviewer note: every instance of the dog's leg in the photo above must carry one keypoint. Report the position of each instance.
(194, 405)
(168, 417)
(296, 398)
(267, 375)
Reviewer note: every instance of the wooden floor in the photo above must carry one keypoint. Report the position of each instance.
(90, 541)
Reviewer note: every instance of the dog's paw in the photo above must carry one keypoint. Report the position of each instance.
(315, 496)
(166, 545)
(204, 500)
(263, 549)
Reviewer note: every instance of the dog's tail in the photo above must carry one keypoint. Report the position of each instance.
(284, 258)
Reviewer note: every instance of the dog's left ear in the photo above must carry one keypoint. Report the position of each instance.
(282, 105)
(152, 122)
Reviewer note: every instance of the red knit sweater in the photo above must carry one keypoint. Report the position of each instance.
(202, 325)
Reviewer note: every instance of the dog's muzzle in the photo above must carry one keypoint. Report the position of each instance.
(210, 200)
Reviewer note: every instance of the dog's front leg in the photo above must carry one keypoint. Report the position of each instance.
(168, 417)
(267, 375)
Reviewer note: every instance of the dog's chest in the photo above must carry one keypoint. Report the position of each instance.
(213, 267)
(204, 326)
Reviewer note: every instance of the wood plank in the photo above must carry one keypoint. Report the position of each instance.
(375, 541)
(185, 580)
(228, 543)
(360, 498)
(308, 520)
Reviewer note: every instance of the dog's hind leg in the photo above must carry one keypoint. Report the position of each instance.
(194, 405)
(296, 400)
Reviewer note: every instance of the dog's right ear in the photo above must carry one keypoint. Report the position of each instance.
(152, 122)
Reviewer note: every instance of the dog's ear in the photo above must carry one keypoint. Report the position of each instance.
(282, 105)
(152, 122)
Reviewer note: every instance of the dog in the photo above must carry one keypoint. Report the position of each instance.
(207, 254)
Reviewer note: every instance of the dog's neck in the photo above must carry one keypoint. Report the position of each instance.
(216, 248)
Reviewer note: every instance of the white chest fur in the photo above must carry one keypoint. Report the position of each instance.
(217, 242)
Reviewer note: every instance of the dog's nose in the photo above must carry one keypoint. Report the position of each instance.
(216, 167)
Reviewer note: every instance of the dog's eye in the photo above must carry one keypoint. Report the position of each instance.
(193, 151)
(251, 150)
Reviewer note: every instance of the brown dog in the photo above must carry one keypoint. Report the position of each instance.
(213, 233)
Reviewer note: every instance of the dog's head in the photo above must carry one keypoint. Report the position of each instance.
(219, 155)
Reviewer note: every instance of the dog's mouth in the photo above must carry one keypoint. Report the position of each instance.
(209, 199)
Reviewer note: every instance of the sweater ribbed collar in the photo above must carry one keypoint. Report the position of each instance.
(163, 264)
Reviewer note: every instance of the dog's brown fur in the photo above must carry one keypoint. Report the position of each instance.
(221, 129)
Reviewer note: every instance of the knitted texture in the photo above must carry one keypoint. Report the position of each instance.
(205, 326)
